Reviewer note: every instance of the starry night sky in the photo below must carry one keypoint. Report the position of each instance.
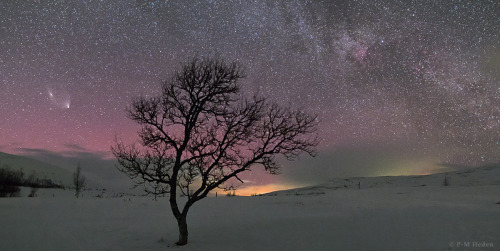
(418, 78)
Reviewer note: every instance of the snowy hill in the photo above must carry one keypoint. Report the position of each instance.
(38, 168)
(401, 218)
(387, 213)
(480, 176)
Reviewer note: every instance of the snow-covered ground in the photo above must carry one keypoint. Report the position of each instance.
(401, 216)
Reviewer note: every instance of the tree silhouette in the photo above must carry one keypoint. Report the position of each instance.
(79, 181)
(200, 132)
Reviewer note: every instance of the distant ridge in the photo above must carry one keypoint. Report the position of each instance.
(480, 176)
(39, 168)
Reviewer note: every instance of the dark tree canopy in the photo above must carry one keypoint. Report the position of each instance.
(200, 132)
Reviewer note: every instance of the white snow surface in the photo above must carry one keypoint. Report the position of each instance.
(393, 214)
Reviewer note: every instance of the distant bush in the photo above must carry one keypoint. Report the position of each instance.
(9, 191)
(11, 180)
(445, 181)
(33, 192)
(33, 181)
(10, 177)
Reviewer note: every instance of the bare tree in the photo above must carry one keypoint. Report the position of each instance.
(79, 181)
(200, 132)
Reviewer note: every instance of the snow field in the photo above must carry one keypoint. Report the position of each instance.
(397, 218)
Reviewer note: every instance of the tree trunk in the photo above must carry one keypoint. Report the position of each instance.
(183, 230)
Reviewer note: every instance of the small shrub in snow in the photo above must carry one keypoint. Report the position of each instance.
(9, 191)
(33, 192)
(79, 181)
(445, 181)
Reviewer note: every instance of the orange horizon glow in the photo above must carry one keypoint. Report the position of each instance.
(256, 190)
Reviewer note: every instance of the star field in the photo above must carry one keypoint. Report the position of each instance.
(423, 75)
